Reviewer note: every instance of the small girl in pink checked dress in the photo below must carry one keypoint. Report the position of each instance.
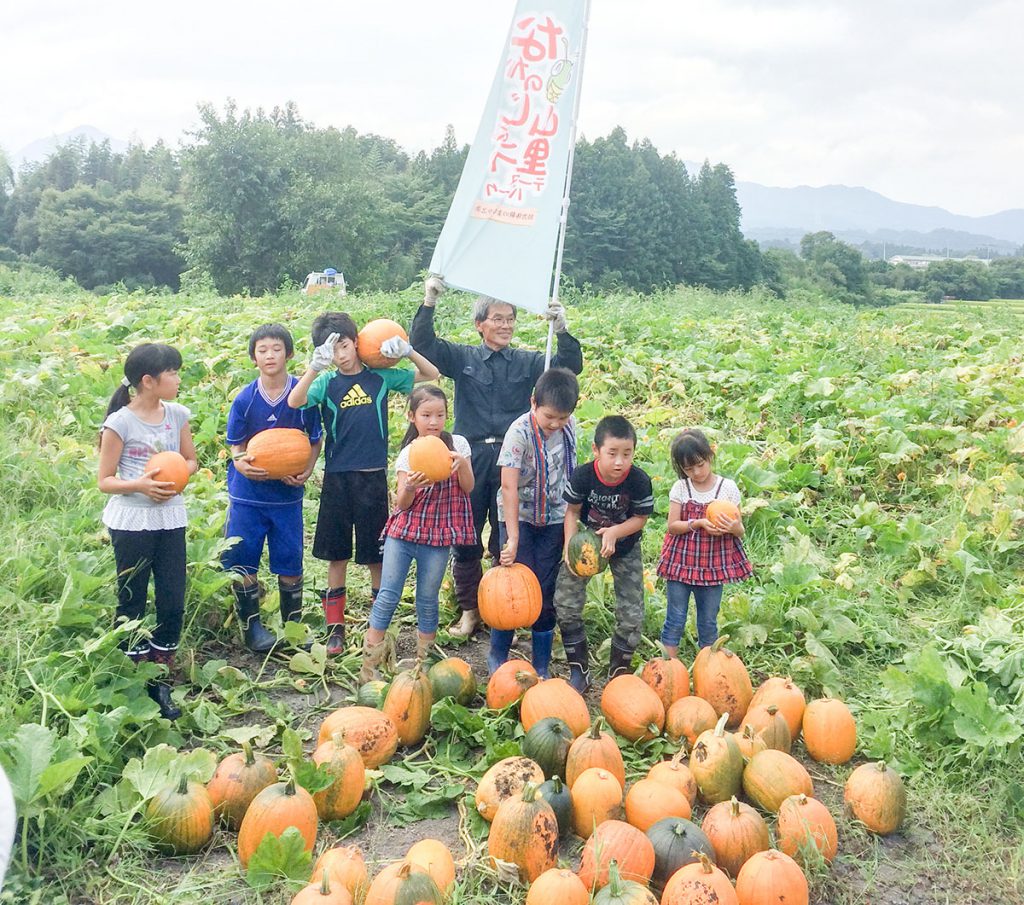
(428, 519)
(698, 556)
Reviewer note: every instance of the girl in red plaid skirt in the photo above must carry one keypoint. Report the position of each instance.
(699, 556)
(428, 519)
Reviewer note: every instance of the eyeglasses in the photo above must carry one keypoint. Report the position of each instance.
(501, 321)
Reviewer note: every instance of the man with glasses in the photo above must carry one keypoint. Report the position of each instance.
(493, 386)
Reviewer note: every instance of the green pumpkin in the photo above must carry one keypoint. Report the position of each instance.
(180, 818)
(372, 694)
(623, 892)
(547, 744)
(676, 843)
(556, 793)
(453, 678)
(584, 554)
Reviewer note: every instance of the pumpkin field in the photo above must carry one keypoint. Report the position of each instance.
(879, 456)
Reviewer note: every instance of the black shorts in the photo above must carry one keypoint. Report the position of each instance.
(352, 500)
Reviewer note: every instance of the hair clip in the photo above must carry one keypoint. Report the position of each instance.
(125, 382)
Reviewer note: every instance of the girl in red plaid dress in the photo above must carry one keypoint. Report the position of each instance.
(428, 519)
(698, 556)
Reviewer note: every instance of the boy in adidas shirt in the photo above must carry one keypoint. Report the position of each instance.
(353, 401)
(260, 509)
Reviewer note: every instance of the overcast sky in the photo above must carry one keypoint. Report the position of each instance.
(921, 101)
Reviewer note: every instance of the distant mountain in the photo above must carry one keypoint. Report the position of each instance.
(859, 215)
(44, 147)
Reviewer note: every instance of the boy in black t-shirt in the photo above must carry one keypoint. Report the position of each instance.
(614, 498)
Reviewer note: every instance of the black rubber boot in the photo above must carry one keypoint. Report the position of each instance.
(160, 689)
(291, 601)
(247, 605)
(578, 658)
(619, 662)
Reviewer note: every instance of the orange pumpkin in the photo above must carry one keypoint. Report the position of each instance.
(525, 832)
(509, 683)
(371, 732)
(772, 776)
(769, 878)
(720, 677)
(632, 708)
(716, 764)
(346, 865)
(806, 821)
(622, 843)
(509, 597)
(369, 341)
(435, 858)
(275, 809)
(322, 894)
(431, 457)
(596, 797)
(560, 886)
(787, 696)
(239, 778)
(875, 795)
(408, 704)
(736, 831)
(169, 466)
(594, 749)
(668, 677)
(343, 762)
(719, 509)
(180, 818)
(687, 718)
(686, 886)
(676, 774)
(648, 801)
(504, 779)
(554, 697)
(749, 742)
(281, 451)
(771, 726)
(399, 882)
(830, 732)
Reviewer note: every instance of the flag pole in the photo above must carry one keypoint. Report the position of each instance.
(564, 217)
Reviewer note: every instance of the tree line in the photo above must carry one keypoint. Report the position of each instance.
(255, 200)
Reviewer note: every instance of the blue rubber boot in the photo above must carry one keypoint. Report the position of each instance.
(501, 642)
(541, 655)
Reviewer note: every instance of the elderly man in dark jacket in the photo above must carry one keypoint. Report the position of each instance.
(493, 386)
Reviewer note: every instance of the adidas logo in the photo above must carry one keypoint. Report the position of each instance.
(272, 418)
(355, 396)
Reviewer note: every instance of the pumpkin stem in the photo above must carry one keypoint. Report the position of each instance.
(338, 738)
(705, 862)
(529, 792)
(595, 727)
(720, 725)
(614, 880)
(556, 784)
(717, 646)
(734, 806)
(289, 786)
(772, 709)
(250, 759)
(183, 785)
(325, 884)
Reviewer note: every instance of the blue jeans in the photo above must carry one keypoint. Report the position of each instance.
(399, 555)
(708, 599)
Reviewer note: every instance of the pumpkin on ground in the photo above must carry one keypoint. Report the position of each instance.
(557, 886)
(433, 857)
(322, 894)
(505, 779)
(623, 892)
(343, 762)
(596, 797)
(771, 725)
(632, 708)
(238, 779)
(806, 822)
(717, 764)
(557, 794)
(669, 679)
(649, 801)
(769, 878)
(408, 704)
(547, 743)
(749, 741)
(453, 678)
(371, 732)
(509, 682)
(736, 831)
(400, 884)
(687, 718)
(525, 832)
(583, 554)
(180, 818)
(875, 795)
(369, 340)
(280, 451)
(677, 842)
(170, 466)
(595, 748)
(509, 597)
(431, 457)
(622, 843)
(772, 776)
(785, 694)
(676, 774)
(554, 697)
(830, 732)
(720, 677)
(346, 865)
(372, 694)
(276, 808)
(686, 885)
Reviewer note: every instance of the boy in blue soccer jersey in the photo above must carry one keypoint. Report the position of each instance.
(261, 509)
(353, 401)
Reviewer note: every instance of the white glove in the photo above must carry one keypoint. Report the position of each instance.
(323, 355)
(433, 290)
(396, 348)
(556, 314)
